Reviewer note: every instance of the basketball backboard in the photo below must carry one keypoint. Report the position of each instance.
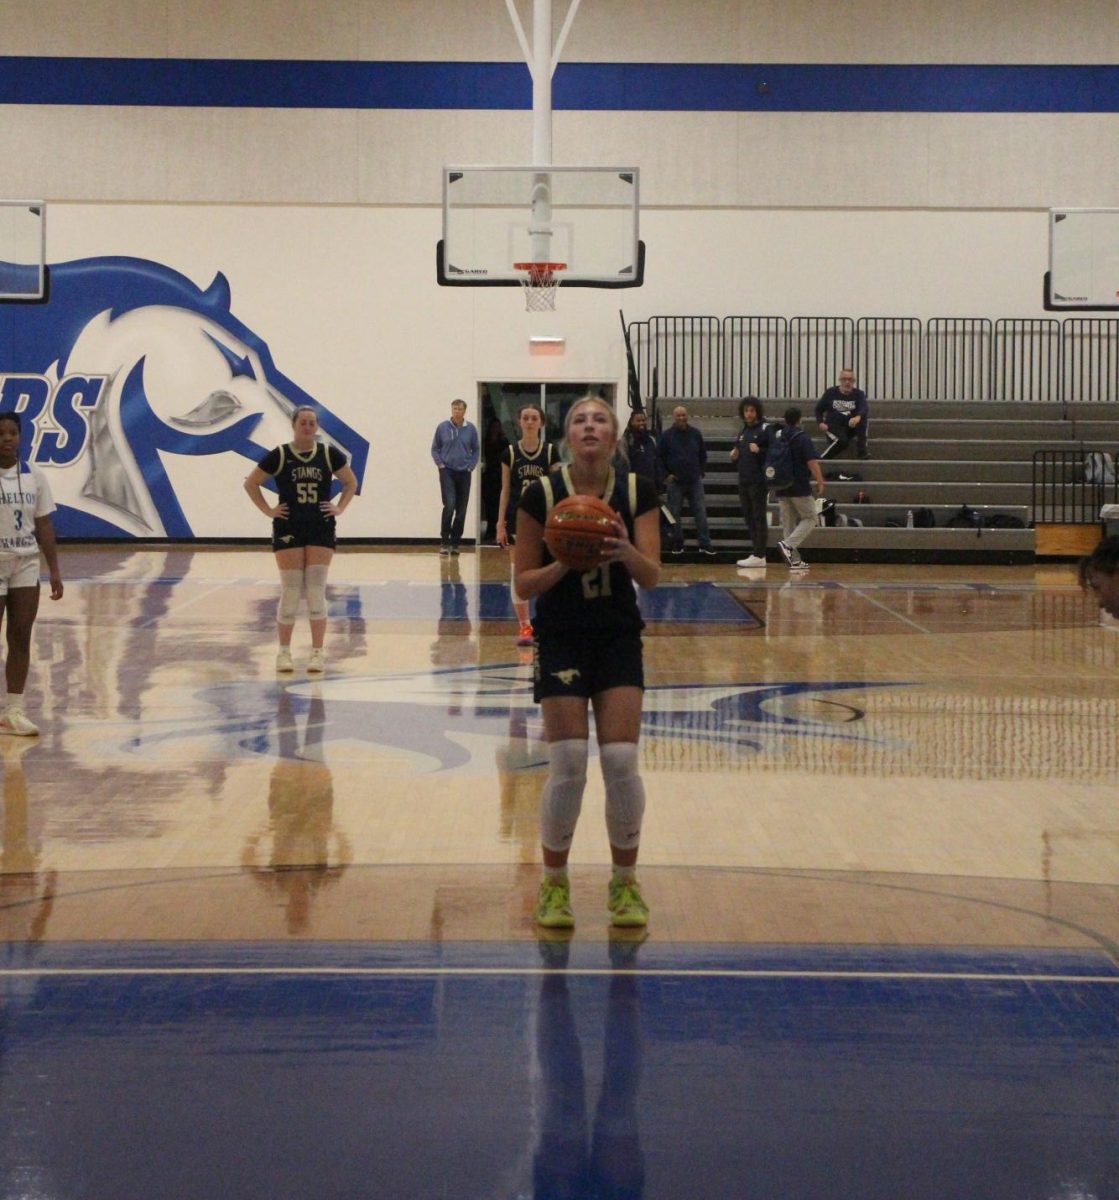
(22, 249)
(584, 219)
(1083, 259)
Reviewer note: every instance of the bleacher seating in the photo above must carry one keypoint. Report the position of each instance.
(933, 454)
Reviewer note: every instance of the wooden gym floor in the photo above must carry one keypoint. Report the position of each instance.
(864, 767)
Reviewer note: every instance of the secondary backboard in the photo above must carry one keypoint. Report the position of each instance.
(1083, 259)
(585, 218)
(22, 249)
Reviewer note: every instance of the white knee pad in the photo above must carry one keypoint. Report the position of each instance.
(625, 794)
(315, 577)
(291, 592)
(562, 797)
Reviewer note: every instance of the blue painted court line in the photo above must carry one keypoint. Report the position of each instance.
(524, 956)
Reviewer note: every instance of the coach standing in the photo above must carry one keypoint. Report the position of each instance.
(455, 449)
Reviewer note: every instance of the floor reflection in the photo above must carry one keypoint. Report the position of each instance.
(606, 1161)
(27, 889)
(301, 851)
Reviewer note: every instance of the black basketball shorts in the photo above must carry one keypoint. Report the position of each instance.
(291, 535)
(585, 664)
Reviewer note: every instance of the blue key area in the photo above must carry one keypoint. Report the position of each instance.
(398, 601)
(656, 1071)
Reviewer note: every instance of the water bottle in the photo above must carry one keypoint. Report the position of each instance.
(909, 519)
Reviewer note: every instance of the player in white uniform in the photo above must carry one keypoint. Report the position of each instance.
(25, 530)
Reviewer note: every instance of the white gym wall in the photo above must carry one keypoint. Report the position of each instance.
(325, 221)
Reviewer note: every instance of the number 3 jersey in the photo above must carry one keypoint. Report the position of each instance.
(602, 600)
(303, 479)
(24, 495)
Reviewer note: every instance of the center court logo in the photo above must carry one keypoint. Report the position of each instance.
(454, 719)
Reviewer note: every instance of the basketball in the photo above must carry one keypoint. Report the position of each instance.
(575, 530)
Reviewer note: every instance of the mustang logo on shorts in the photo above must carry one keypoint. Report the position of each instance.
(125, 376)
(568, 677)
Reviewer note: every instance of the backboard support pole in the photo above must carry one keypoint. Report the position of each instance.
(542, 59)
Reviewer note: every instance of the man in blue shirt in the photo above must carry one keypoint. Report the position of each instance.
(455, 449)
(683, 455)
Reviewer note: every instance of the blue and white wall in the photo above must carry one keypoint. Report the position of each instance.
(899, 159)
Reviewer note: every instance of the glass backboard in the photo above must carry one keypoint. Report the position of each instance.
(585, 218)
(22, 249)
(1083, 259)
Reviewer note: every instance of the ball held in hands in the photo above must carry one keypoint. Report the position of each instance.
(576, 529)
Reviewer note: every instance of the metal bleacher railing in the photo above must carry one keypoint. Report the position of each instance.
(944, 358)
(1071, 486)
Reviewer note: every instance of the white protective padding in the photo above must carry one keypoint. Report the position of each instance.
(291, 592)
(562, 798)
(625, 794)
(315, 576)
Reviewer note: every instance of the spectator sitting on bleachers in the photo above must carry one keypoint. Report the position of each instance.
(842, 413)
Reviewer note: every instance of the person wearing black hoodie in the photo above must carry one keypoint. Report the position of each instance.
(753, 494)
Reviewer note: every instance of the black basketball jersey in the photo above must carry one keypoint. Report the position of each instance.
(303, 479)
(525, 467)
(604, 599)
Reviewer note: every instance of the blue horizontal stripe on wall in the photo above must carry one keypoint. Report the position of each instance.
(675, 87)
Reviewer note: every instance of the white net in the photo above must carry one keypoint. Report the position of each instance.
(540, 282)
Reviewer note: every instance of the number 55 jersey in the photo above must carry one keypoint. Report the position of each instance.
(303, 480)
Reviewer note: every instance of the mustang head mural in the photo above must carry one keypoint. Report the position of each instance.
(125, 377)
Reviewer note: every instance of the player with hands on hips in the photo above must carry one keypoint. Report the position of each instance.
(303, 527)
(25, 531)
(588, 654)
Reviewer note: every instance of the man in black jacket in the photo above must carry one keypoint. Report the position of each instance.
(641, 449)
(683, 458)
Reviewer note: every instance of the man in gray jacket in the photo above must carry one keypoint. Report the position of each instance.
(455, 449)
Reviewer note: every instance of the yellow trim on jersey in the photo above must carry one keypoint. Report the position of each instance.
(611, 479)
(310, 454)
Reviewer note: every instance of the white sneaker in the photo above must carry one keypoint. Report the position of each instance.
(316, 664)
(14, 722)
(751, 560)
(283, 660)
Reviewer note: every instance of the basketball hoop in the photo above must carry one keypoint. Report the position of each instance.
(540, 281)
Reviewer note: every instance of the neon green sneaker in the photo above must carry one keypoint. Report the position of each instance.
(628, 909)
(553, 904)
